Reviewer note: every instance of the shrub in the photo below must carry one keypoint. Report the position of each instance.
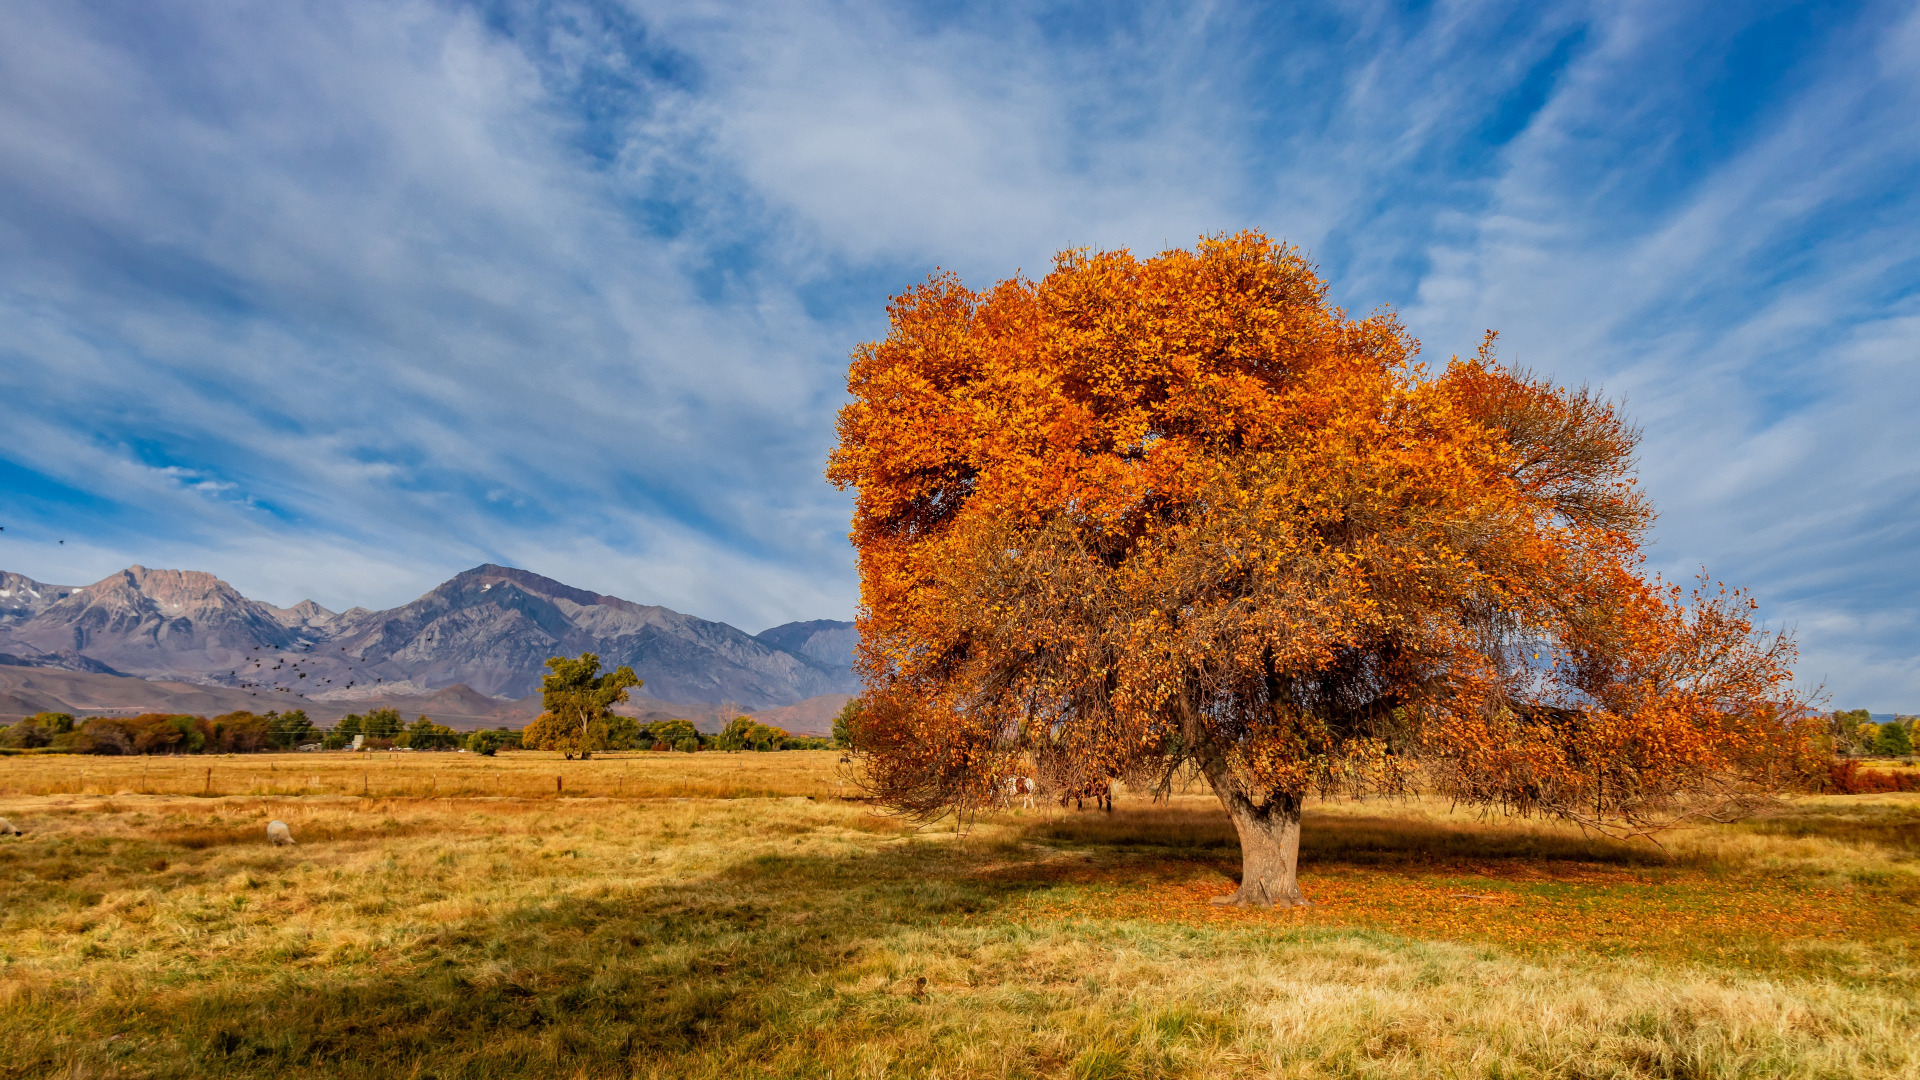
(1848, 778)
(40, 729)
(73, 742)
(25, 735)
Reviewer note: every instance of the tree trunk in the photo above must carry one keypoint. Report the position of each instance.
(1269, 852)
(1269, 836)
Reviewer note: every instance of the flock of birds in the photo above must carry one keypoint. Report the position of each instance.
(293, 670)
(259, 665)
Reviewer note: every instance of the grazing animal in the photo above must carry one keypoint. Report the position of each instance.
(1020, 788)
(278, 833)
(7, 828)
(1100, 791)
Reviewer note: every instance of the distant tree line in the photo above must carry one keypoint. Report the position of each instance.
(578, 721)
(381, 729)
(160, 733)
(1855, 734)
(626, 733)
(238, 733)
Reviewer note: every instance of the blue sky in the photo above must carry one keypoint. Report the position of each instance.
(337, 299)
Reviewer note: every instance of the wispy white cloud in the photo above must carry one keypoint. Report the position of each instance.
(1760, 325)
(338, 299)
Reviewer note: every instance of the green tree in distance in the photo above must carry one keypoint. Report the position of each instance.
(490, 741)
(1893, 740)
(746, 733)
(669, 734)
(291, 728)
(845, 722)
(383, 724)
(424, 734)
(579, 701)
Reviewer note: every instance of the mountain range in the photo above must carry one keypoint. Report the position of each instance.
(490, 629)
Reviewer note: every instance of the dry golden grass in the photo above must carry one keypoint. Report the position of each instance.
(428, 775)
(729, 915)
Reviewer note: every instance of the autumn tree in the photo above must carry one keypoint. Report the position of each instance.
(1140, 516)
(578, 715)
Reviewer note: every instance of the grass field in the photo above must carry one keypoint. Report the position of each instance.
(734, 915)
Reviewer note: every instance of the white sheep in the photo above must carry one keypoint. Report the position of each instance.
(7, 829)
(278, 833)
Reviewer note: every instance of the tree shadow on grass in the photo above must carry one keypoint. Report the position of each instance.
(1383, 838)
(740, 966)
(1867, 821)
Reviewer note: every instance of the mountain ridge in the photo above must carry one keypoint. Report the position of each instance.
(489, 629)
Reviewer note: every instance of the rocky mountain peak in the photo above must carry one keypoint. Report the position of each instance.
(305, 614)
(485, 578)
(21, 597)
(187, 594)
(153, 622)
